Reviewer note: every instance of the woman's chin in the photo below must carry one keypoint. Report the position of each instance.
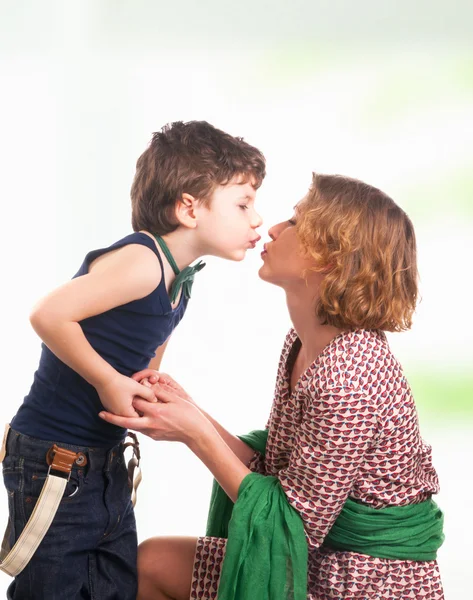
(264, 273)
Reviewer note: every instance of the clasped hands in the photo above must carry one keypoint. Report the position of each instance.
(168, 412)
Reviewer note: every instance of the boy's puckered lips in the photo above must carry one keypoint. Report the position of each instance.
(255, 241)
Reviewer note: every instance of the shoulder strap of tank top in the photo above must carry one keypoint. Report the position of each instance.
(151, 244)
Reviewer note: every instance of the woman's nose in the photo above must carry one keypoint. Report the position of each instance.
(272, 232)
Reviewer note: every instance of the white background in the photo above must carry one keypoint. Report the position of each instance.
(331, 88)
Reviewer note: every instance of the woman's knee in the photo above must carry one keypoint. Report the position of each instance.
(165, 565)
(153, 559)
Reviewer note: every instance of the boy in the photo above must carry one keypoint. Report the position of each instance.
(193, 194)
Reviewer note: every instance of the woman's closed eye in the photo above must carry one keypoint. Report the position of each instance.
(291, 221)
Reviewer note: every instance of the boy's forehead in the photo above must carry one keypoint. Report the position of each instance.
(242, 187)
(243, 179)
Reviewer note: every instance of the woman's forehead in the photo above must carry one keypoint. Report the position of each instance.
(301, 205)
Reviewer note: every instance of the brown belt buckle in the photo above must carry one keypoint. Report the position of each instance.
(60, 461)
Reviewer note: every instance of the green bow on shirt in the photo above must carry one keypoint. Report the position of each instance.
(185, 278)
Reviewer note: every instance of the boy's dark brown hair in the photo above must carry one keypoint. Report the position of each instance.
(366, 246)
(192, 158)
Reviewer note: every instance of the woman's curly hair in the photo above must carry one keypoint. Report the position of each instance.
(365, 244)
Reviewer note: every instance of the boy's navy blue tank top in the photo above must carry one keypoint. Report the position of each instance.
(61, 405)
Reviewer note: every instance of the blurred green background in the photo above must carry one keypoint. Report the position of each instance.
(378, 91)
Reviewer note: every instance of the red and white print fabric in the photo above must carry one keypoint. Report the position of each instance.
(349, 428)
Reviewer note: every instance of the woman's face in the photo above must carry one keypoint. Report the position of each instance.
(284, 261)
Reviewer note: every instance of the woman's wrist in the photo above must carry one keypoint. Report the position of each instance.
(202, 437)
(220, 459)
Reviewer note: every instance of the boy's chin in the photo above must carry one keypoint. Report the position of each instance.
(236, 256)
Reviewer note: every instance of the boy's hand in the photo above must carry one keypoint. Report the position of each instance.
(150, 377)
(118, 393)
(172, 418)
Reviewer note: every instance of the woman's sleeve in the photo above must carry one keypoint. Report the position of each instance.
(336, 431)
(256, 464)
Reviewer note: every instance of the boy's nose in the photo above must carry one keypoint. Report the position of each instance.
(256, 221)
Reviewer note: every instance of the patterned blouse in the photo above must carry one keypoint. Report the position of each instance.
(348, 429)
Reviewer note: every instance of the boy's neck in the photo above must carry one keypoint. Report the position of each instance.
(181, 244)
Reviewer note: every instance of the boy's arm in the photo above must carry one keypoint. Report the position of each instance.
(155, 362)
(127, 274)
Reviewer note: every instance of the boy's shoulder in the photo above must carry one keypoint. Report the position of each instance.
(136, 237)
(134, 260)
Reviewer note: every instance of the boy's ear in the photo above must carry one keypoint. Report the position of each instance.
(185, 211)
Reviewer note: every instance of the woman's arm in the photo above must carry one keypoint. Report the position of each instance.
(127, 274)
(328, 451)
(221, 460)
(152, 376)
(239, 448)
(176, 419)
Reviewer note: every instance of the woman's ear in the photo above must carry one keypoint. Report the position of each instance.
(185, 211)
(327, 269)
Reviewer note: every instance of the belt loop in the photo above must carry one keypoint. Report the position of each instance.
(133, 464)
(3, 449)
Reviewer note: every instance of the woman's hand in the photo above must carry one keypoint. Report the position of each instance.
(171, 418)
(176, 418)
(149, 377)
(118, 394)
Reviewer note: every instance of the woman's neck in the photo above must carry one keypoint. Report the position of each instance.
(313, 335)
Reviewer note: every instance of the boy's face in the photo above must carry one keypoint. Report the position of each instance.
(226, 226)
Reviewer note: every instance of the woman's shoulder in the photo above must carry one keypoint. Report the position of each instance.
(290, 338)
(352, 358)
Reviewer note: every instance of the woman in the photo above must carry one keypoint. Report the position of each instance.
(343, 480)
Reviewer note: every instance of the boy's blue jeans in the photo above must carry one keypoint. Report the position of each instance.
(89, 552)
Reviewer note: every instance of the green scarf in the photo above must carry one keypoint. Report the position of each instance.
(266, 554)
(410, 532)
